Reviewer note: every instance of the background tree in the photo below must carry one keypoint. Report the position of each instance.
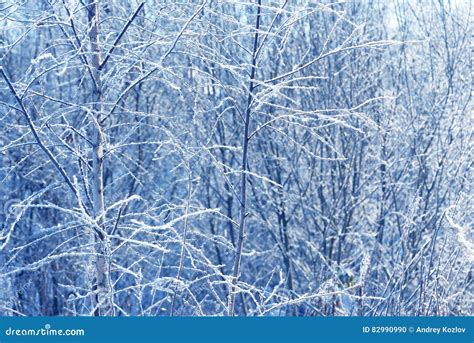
(235, 158)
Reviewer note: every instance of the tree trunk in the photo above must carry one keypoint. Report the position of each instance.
(103, 284)
(243, 187)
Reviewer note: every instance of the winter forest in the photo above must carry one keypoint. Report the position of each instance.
(236, 158)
